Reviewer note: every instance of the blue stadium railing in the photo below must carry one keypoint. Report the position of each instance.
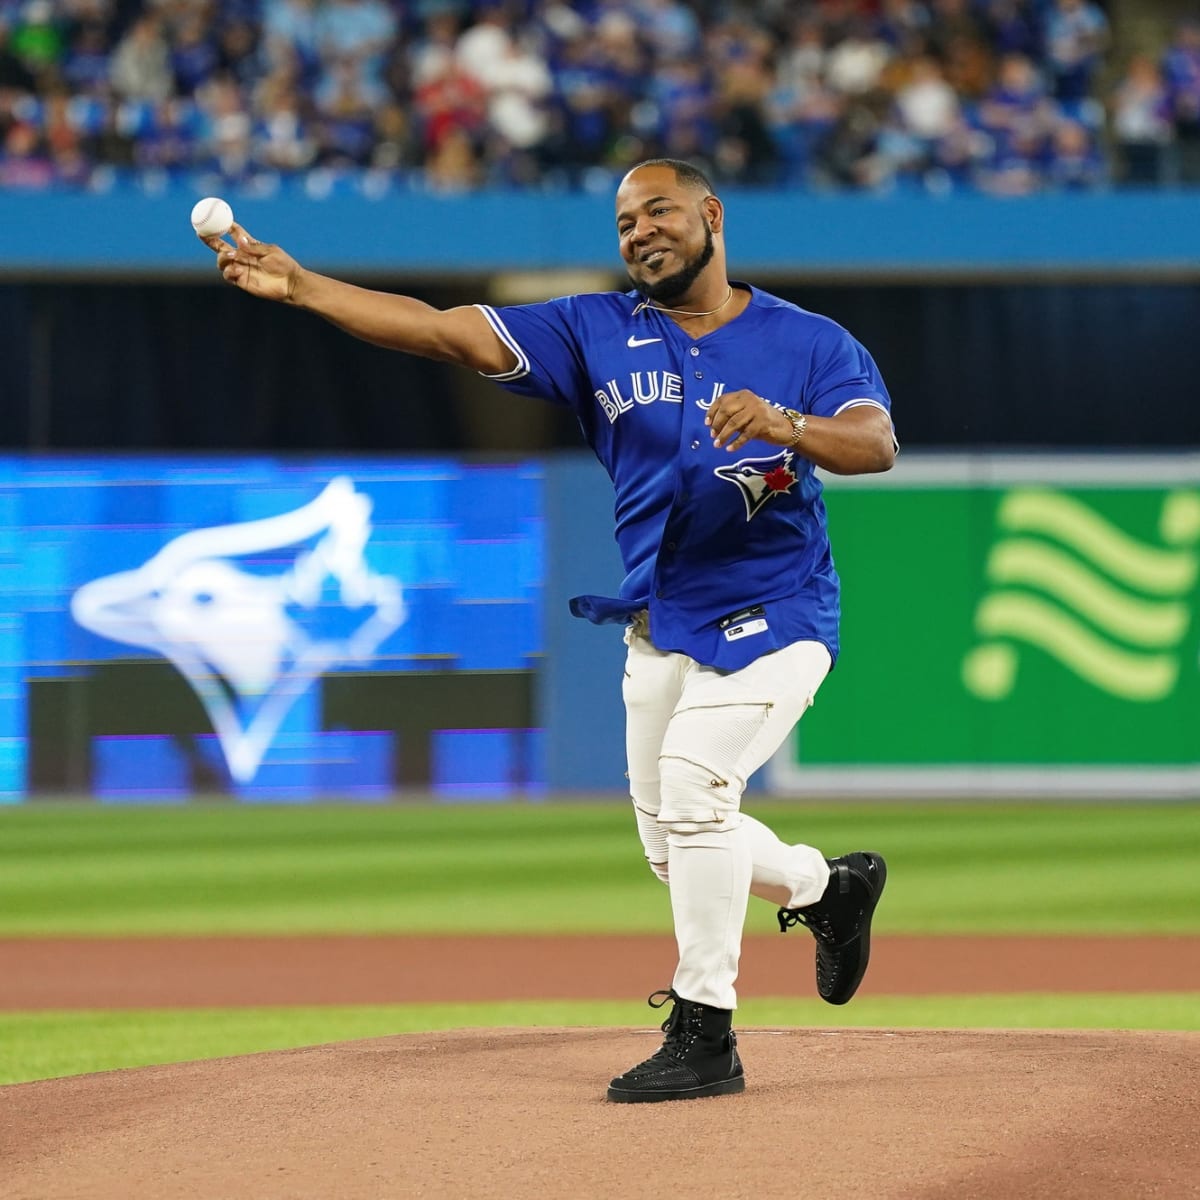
(128, 230)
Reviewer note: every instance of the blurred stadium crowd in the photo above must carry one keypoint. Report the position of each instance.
(1004, 96)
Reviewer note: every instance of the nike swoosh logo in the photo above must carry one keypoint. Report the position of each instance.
(634, 342)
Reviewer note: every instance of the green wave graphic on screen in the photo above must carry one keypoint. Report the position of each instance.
(1110, 608)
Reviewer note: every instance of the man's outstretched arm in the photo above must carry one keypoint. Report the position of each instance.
(456, 335)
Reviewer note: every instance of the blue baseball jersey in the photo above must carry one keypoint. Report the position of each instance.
(729, 553)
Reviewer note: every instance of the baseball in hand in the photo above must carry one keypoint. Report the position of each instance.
(212, 217)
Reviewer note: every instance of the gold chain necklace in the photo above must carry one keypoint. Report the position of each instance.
(683, 312)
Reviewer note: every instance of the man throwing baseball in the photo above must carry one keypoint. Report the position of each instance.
(710, 403)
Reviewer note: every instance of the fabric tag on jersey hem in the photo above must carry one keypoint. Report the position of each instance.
(745, 629)
(746, 622)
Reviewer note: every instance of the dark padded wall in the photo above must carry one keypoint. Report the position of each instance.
(195, 367)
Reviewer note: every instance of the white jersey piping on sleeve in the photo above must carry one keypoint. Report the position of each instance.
(501, 331)
(874, 404)
(856, 403)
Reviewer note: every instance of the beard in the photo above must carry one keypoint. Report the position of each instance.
(671, 287)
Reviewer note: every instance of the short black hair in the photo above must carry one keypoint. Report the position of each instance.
(685, 173)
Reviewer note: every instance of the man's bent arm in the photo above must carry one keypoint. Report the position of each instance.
(858, 441)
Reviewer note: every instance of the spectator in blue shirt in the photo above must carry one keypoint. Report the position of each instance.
(194, 57)
(1073, 161)
(86, 64)
(1016, 108)
(1076, 35)
(1011, 27)
(289, 28)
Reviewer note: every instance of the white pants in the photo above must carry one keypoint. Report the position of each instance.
(694, 735)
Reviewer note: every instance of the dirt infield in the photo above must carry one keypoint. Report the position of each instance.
(74, 973)
(908, 1115)
(520, 1114)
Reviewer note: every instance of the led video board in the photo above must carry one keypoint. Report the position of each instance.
(268, 629)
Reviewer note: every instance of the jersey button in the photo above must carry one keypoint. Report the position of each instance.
(699, 374)
(695, 445)
(670, 545)
(695, 351)
(658, 595)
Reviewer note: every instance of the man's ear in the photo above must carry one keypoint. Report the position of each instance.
(714, 210)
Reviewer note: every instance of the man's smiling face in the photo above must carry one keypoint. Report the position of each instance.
(666, 239)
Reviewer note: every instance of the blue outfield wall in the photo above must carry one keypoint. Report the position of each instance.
(580, 696)
(126, 231)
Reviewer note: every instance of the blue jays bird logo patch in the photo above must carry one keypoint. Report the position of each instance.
(758, 479)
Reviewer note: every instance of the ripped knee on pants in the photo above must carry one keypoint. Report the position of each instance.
(694, 799)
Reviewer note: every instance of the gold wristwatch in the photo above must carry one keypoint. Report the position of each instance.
(799, 424)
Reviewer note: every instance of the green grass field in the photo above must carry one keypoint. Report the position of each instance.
(46, 1045)
(223, 868)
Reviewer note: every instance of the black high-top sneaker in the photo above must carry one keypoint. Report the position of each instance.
(698, 1057)
(841, 922)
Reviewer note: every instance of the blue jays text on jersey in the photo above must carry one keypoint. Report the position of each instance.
(728, 552)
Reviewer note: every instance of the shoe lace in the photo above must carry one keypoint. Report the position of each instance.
(667, 995)
(812, 918)
(819, 918)
(679, 1030)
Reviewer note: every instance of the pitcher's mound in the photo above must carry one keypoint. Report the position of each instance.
(520, 1113)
